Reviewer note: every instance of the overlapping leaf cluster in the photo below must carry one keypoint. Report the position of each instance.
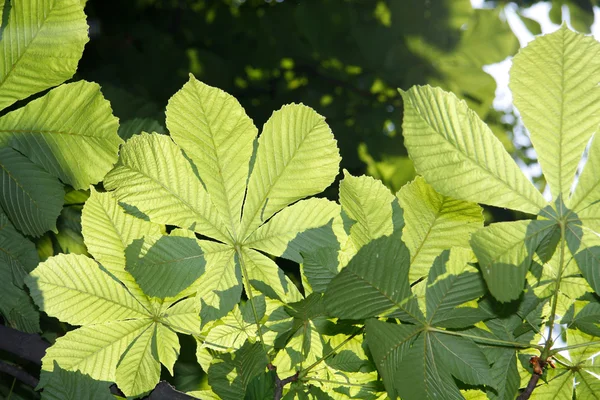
(68, 136)
(400, 295)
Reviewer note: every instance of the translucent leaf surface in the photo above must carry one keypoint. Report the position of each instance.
(215, 132)
(369, 203)
(554, 81)
(268, 278)
(295, 229)
(434, 223)
(75, 289)
(459, 155)
(31, 197)
(139, 370)
(587, 191)
(48, 33)
(220, 286)
(167, 346)
(70, 132)
(94, 350)
(108, 230)
(297, 157)
(153, 175)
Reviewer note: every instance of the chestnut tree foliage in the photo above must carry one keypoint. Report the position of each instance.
(400, 295)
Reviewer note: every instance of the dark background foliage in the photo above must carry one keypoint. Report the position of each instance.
(343, 58)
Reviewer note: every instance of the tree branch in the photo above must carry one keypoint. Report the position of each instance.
(19, 373)
(280, 383)
(28, 346)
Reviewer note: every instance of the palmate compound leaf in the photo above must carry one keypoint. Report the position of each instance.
(296, 157)
(48, 33)
(554, 81)
(70, 132)
(120, 317)
(120, 337)
(415, 362)
(459, 155)
(31, 197)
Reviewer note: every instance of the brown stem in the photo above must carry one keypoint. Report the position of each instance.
(280, 383)
(535, 377)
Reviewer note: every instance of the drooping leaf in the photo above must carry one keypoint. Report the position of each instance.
(388, 344)
(463, 359)
(153, 175)
(18, 257)
(459, 155)
(215, 132)
(554, 84)
(168, 265)
(421, 376)
(374, 283)
(73, 385)
(76, 290)
(451, 284)
(31, 197)
(230, 374)
(505, 376)
(505, 251)
(297, 157)
(70, 132)
(33, 28)
(434, 223)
